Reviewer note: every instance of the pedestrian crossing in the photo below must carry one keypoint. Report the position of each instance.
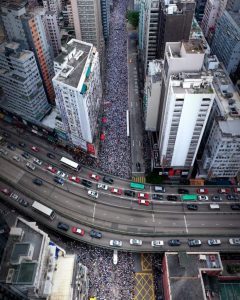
(140, 179)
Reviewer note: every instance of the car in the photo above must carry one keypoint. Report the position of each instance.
(116, 191)
(234, 241)
(74, 179)
(157, 243)
(159, 189)
(95, 234)
(17, 158)
(37, 181)
(61, 174)
(157, 197)
(192, 207)
(224, 191)
(236, 197)
(194, 243)
(235, 206)
(23, 202)
(58, 180)
(115, 243)
(216, 198)
(25, 155)
(37, 161)
(214, 242)
(143, 195)
(21, 144)
(202, 191)
(202, 198)
(230, 197)
(143, 202)
(174, 242)
(172, 198)
(94, 176)
(86, 183)
(14, 196)
(11, 147)
(102, 186)
(52, 169)
(3, 151)
(34, 148)
(50, 155)
(6, 191)
(108, 179)
(129, 193)
(30, 166)
(138, 166)
(183, 191)
(136, 242)
(236, 190)
(63, 226)
(78, 231)
(93, 194)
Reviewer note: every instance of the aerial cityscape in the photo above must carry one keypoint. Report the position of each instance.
(120, 149)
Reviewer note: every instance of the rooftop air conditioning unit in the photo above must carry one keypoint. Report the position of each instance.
(10, 275)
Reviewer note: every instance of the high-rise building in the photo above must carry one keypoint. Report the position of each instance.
(28, 29)
(105, 12)
(88, 22)
(175, 22)
(199, 11)
(226, 41)
(211, 14)
(21, 83)
(78, 90)
(186, 100)
(53, 5)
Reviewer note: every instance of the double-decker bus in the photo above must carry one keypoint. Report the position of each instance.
(70, 163)
(44, 210)
(189, 197)
(137, 186)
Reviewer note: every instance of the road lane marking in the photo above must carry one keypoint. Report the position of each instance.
(202, 224)
(217, 224)
(153, 218)
(186, 224)
(94, 211)
(139, 143)
(133, 143)
(131, 104)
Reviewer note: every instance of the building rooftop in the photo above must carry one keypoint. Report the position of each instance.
(194, 46)
(230, 127)
(185, 272)
(155, 70)
(196, 33)
(72, 62)
(13, 4)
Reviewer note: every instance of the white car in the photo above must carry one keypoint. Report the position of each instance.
(37, 161)
(135, 242)
(30, 166)
(61, 174)
(102, 186)
(234, 241)
(93, 194)
(202, 198)
(116, 243)
(17, 158)
(14, 196)
(214, 242)
(3, 151)
(157, 243)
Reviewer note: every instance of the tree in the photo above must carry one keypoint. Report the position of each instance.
(133, 17)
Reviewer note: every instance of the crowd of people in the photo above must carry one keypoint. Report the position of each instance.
(115, 152)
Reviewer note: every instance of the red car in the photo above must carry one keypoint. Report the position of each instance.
(78, 231)
(116, 191)
(35, 149)
(143, 195)
(6, 191)
(94, 176)
(202, 191)
(236, 190)
(74, 179)
(223, 191)
(143, 202)
(51, 169)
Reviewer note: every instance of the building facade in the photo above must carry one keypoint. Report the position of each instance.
(105, 12)
(21, 83)
(211, 14)
(53, 5)
(78, 90)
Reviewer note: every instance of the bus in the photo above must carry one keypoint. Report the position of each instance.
(137, 186)
(70, 164)
(44, 210)
(189, 197)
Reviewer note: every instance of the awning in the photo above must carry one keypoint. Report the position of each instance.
(102, 137)
(88, 71)
(91, 149)
(84, 89)
(171, 172)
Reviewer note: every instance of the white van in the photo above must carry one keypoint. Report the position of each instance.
(159, 189)
(214, 206)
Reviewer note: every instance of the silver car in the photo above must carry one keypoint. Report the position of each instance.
(214, 242)
(116, 243)
(135, 242)
(93, 194)
(157, 243)
(234, 241)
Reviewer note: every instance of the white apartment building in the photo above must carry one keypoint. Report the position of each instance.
(152, 94)
(78, 89)
(221, 156)
(21, 83)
